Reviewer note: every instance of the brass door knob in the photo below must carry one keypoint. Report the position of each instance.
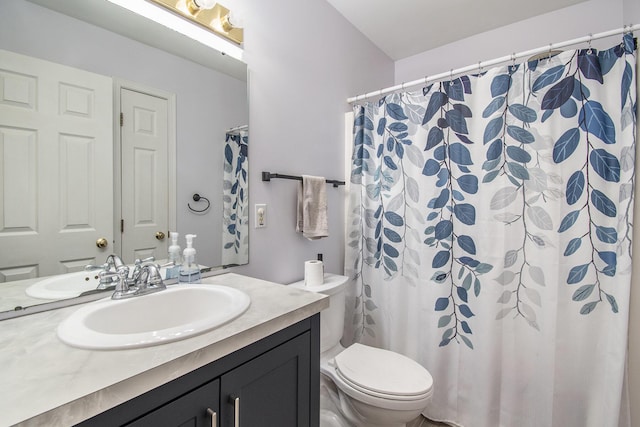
(160, 235)
(102, 243)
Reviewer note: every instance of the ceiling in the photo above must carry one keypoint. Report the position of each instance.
(403, 28)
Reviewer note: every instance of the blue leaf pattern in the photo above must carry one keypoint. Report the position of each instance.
(542, 145)
(595, 120)
(589, 65)
(547, 78)
(235, 200)
(558, 94)
(500, 85)
(575, 187)
(566, 145)
(606, 165)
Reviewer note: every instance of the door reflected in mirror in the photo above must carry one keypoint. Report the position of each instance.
(71, 181)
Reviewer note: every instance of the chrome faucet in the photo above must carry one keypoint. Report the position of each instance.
(107, 277)
(146, 279)
(132, 280)
(123, 290)
(114, 262)
(150, 280)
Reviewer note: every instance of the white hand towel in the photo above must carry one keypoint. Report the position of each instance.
(312, 208)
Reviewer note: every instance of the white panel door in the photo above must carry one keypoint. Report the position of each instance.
(145, 174)
(56, 163)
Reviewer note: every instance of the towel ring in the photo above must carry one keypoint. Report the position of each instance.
(197, 198)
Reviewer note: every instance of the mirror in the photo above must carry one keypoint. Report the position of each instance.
(206, 125)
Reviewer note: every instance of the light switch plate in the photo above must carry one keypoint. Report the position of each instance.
(261, 215)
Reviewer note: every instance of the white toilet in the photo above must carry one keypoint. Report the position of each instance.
(367, 386)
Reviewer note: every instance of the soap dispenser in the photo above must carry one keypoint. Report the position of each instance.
(189, 270)
(175, 256)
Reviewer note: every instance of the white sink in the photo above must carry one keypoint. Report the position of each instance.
(178, 312)
(64, 286)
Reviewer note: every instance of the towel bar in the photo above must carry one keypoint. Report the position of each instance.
(266, 176)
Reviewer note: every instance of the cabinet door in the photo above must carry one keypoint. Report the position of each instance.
(199, 408)
(271, 390)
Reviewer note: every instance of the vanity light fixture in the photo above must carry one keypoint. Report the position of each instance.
(209, 14)
(173, 17)
(195, 6)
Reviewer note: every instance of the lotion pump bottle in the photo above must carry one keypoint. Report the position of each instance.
(174, 256)
(189, 270)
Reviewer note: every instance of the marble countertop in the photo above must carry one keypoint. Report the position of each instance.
(46, 382)
(13, 295)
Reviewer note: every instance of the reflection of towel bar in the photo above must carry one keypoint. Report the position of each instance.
(266, 176)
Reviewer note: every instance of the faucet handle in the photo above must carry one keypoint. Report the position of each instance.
(110, 278)
(92, 267)
(107, 278)
(144, 261)
(167, 264)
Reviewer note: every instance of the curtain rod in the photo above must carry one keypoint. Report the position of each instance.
(527, 53)
(237, 128)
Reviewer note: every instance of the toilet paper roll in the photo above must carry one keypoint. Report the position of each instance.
(313, 273)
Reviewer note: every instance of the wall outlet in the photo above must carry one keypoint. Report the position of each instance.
(261, 215)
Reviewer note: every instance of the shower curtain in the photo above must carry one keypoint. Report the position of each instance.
(235, 199)
(489, 237)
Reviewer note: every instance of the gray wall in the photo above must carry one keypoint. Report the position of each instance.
(304, 61)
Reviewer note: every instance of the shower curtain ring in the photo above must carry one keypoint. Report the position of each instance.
(451, 77)
(479, 68)
(513, 61)
(590, 51)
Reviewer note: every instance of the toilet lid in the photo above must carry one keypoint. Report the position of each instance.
(383, 371)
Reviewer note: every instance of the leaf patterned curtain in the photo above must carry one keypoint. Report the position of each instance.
(235, 199)
(490, 237)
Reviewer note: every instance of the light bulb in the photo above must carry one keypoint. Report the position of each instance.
(205, 4)
(230, 21)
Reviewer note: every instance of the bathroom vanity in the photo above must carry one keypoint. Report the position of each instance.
(259, 369)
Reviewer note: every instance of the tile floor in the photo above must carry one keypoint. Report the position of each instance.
(423, 422)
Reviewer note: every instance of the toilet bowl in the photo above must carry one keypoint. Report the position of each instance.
(363, 385)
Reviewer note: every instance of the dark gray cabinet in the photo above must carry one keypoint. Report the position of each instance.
(198, 408)
(270, 390)
(273, 382)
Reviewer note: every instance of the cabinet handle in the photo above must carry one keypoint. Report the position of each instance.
(236, 410)
(214, 417)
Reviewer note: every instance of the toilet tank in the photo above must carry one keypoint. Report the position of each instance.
(332, 318)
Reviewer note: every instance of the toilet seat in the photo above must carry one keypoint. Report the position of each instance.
(381, 378)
